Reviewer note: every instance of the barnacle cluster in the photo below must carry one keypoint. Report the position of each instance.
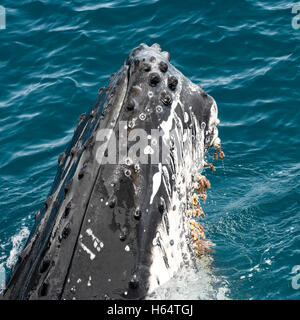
(201, 184)
(201, 245)
(218, 153)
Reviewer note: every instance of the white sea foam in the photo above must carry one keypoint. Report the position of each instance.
(18, 242)
(191, 284)
(2, 277)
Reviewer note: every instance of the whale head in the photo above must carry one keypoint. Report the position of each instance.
(115, 225)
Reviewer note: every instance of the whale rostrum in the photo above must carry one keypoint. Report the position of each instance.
(122, 214)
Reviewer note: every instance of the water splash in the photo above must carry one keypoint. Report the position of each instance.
(2, 277)
(192, 284)
(18, 242)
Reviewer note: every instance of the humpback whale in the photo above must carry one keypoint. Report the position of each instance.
(120, 218)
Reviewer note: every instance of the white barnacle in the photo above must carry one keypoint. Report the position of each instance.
(131, 123)
(186, 117)
(128, 161)
(127, 173)
(159, 109)
(142, 116)
(153, 142)
(89, 281)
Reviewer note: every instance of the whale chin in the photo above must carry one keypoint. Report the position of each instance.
(116, 222)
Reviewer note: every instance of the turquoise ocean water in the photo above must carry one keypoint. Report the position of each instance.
(55, 55)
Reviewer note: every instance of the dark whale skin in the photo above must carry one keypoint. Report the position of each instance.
(106, 209)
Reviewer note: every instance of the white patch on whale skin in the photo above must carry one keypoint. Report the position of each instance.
(166, 180)
(17, 246)
(87, 250)
(137, 88)
(166, 126)
(156, 182)
(213, 120)
(89, 281)
(97, 243)
(186, 117)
